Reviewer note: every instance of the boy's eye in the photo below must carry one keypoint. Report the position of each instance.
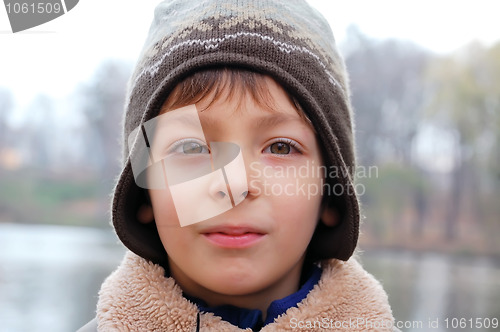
(280, 148)
(192, 147)
(189, 147)
(283, 147)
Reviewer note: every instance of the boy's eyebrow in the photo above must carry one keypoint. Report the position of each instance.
(275, 119)
(182, 118)
(264, 121)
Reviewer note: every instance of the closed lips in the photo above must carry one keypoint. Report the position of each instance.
(233, 237)
(232, 230)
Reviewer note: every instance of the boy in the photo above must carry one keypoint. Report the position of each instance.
(236, 111)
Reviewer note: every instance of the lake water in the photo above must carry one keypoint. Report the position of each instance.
(50, 275)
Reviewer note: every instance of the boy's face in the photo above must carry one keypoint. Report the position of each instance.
(253, 252)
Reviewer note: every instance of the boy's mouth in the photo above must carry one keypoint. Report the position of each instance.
(233, 237)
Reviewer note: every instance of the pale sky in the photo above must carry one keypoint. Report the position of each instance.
(54, 57)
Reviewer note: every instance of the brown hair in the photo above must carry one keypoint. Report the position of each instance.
(224, 83)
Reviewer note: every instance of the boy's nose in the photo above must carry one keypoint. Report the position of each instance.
(237, 192)
(228, 157)
(238, 186)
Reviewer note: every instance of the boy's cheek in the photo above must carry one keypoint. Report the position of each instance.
(286, 185)
(163, 208)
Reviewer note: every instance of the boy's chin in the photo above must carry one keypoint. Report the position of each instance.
(235, 284)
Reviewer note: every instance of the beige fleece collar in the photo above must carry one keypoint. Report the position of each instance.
(137, 297)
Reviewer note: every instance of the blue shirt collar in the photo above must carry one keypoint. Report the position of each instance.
(252, 318)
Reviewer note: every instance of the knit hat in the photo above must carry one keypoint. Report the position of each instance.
(285, 39)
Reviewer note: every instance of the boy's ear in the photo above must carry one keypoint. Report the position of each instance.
(145, 214)
(330, 216)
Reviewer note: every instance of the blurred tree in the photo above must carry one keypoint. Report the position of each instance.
(387, 84)
(464, 94)
(387, 81)
(38, 137)
(6, 104)
(102, 102)
(492, 104)
(391, 199)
